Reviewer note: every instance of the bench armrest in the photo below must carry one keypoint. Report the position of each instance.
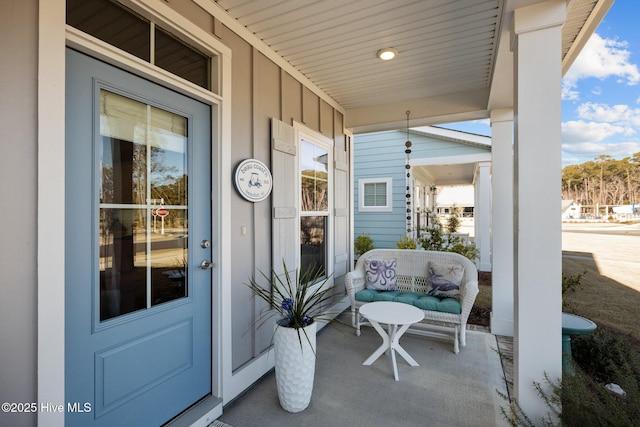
(354, 282)
(467, 299)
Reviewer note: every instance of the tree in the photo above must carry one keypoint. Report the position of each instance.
(604, 180)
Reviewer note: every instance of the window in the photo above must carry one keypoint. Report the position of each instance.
(114, 24)
(314, 205)
(375, 195)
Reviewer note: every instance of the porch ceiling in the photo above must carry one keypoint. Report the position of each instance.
(453, 57)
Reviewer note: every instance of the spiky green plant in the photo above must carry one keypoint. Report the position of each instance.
(299, 300)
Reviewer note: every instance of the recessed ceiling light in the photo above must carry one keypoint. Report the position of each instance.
(387, 54)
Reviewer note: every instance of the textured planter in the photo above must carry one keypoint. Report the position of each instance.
(295, 366)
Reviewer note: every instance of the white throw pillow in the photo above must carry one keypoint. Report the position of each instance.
(445, 280)
(380, 274)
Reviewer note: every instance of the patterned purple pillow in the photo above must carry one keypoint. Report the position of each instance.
(445, 280)
(380, 274)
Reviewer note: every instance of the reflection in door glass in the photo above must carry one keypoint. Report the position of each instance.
(143, 225)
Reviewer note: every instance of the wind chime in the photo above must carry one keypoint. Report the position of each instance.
(408, 168)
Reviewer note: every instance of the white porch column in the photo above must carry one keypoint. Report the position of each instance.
(537, 197)
(502, 222)
(482, 215)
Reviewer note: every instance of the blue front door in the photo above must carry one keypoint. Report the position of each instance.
(138, 219)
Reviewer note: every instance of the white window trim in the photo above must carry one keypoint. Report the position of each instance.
(388, 207)
(304, 133)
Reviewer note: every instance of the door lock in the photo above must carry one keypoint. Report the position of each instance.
(206, 264)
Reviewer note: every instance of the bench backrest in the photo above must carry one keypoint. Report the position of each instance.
(412, 264)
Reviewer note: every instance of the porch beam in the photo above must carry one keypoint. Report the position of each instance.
(424, 112)
(537, 222)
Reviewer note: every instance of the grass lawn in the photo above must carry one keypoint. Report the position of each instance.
(611, 305)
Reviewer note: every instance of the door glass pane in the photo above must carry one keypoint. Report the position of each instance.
(143, 224)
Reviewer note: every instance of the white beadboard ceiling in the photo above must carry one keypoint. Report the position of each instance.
(443, 45)
(447, 58)
(450, 53)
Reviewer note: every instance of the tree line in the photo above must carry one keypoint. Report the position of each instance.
(603, 181)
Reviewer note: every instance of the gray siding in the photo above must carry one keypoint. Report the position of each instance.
(18, 195)
(261, 90)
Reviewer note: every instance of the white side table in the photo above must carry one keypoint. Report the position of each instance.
(394, 314)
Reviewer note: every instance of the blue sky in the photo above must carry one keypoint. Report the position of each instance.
(600, 92)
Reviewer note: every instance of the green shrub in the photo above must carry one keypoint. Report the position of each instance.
(453, 223)
(362, 244)
(598, 359)
(434, 239)
(470, 251)
(606, 356)
(405, 242)
(569, 285)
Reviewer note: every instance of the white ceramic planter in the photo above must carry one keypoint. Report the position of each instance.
(295, 366)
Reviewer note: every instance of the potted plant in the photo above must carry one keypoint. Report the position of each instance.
(300, 302)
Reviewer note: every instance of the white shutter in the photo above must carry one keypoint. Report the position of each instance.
(341, 212)
(284, 196)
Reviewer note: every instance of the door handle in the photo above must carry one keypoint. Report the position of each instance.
(206, 264)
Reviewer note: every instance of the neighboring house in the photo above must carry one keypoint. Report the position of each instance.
(626, 211)
(125, 241)
(439, 158)
(459, 199)
(571, 209)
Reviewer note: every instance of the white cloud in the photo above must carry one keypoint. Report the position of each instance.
(568, 91)
(620, 114)
(600, 58)
(585, 151)
(583, 148)
(579, 131)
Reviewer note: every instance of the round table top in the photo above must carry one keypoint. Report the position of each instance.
(576, 325)
(389, 312)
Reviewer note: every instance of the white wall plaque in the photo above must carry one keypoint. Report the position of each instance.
(253, 181)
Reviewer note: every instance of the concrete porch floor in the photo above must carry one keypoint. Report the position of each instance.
(445, 390)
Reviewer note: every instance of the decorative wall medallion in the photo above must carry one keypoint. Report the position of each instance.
(253, 180)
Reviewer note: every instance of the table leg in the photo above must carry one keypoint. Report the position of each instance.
(395, 364)
(395, 345)
(385, 344)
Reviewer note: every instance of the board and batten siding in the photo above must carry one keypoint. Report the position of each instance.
(263, 91)
(381, 155)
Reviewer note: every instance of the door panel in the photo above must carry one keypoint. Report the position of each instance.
(138, 202)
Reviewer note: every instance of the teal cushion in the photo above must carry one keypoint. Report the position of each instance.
(366, 295)
(386, 296)
(427, 302)
(422, 301)
(408, 297)
(370, 295)
(444, 305)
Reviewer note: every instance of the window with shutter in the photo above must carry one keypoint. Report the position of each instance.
(315, 165)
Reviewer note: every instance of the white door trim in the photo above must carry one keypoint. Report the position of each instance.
(53, 38)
